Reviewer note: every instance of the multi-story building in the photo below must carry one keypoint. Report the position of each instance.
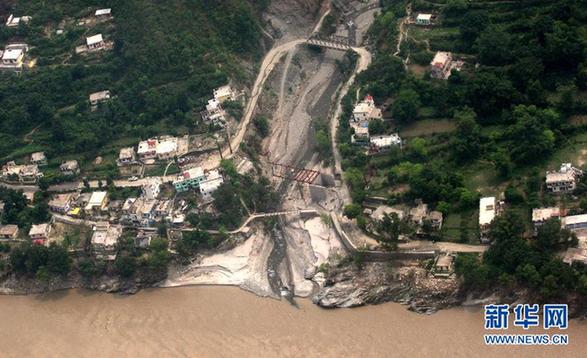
(574, 222)
(62, 203)
(563, 181)
(126, 156)
(189, 179)
(105, 239)
(39, 234)
(95, 42)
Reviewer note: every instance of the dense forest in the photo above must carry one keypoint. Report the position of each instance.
(166, 59)
(516, 109)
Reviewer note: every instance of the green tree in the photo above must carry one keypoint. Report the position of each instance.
(405, 107)
(262, 125)
(125, 265)
(551, 237)
(388, 229)
(467, 139)
(351, 211)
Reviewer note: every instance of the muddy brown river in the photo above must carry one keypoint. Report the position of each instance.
(224, 321)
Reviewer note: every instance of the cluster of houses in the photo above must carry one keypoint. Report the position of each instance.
(561, 181)
(214, 113)
(364, 112)
(30, 173)
(420, 216)
(14, 21)
(153, 149)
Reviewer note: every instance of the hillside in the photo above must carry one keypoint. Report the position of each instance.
(513, 107)
(166, 58)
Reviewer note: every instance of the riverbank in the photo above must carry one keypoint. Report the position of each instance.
(224, 321)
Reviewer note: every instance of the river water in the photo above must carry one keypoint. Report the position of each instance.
(225, 321)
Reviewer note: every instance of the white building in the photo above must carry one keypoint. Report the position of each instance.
(148, 149)
(489, 208)
(441, 65)
(563, 181)
(383, 142)
(95, 42)
(424, 19)
(103, 13)
(209, 185)
(98, 201)
(166, 148)
(14, 55)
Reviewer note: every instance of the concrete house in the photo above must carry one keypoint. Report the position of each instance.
(152, 188)
(69, 167)
(39, 234)
(148, 149)
(366, 110)
(103, 13)
(105, 239)
(126, 156)
(95, 42)
(13, 56)
(424, 19)
(444, 265)
(97, 203)
(441, 65)
(163, 208)
(39, 158)
(63, 203)
(189, 179)
(223, 94)
(138, 212)
(489, 208)
(166, 148)
(564, 180)
(8, 232)
(13, 21)
(384, 142)
(540, 216)
(99, 97)
(30, 174)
